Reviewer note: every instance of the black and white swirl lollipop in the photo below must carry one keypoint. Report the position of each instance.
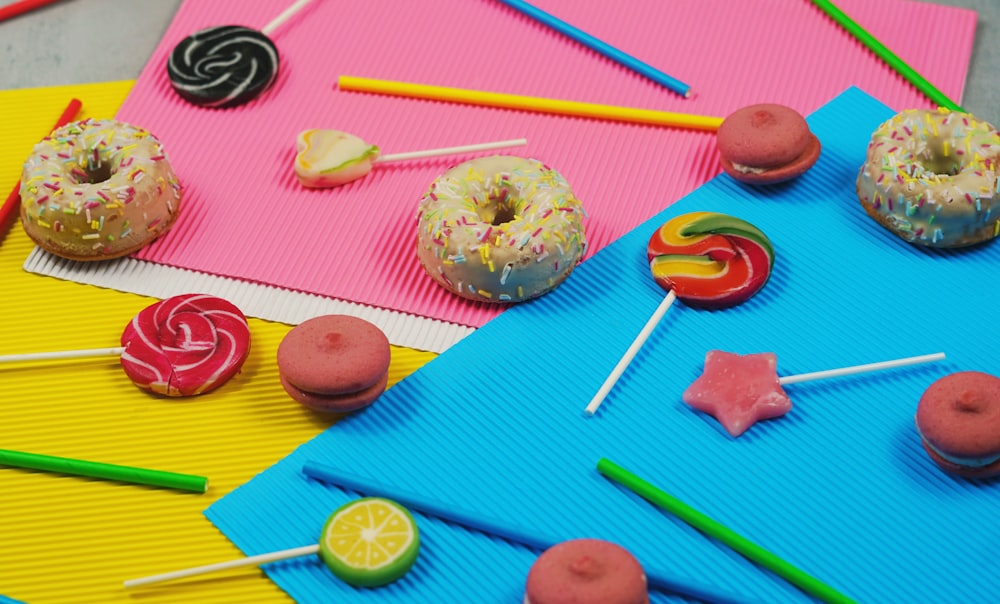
(227, 65)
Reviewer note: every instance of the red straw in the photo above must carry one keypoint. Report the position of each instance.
(14, 199)
(17, 8)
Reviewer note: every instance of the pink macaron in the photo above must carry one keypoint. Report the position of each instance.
(586, 571)
(766, 144)
(958, 418)
(334, 363)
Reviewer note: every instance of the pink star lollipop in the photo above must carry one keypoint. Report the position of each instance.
(181, 346)
(741, 390)
(706, 259)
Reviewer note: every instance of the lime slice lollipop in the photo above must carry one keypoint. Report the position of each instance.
(369, 542)
(366, 542)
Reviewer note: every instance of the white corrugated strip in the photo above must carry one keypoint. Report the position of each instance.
(254, 299)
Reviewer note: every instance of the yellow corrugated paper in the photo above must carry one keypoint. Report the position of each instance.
(74, 540)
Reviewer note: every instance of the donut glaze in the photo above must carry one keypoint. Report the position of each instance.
(930, 177)
(958, 419)
(500, 229)
(98, 189)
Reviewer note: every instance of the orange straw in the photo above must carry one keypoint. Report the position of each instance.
(10, 206)
(530, 103)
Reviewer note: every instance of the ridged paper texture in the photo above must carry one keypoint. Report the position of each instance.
(246, 217)
(93, 534)
(839, 487)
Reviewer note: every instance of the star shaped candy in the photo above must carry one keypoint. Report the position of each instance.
(738, 390)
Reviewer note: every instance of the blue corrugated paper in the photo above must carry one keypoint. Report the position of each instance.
(839, 487)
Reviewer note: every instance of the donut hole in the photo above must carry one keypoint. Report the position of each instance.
(500, 208)
(90, 174)
(941, 165)
(942, 158)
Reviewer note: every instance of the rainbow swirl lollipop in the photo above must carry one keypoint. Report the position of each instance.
(710, 260)
(706, 259)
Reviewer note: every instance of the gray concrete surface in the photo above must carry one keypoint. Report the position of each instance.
(76, 54)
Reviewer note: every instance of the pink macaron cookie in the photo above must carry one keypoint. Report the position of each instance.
(586, 571)
(958, 418)
(766, 144)
(334, 363)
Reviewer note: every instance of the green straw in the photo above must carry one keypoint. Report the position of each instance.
(734, 540)
(93, 469)
(886, 55)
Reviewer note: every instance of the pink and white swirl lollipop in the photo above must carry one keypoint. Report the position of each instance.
(181, 346)
(185, 345)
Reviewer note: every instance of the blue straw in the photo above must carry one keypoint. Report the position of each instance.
(600, 47)
(423, 504)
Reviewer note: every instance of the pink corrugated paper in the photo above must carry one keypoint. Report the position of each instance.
(245, 216)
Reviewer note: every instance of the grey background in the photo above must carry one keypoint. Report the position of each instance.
(78, 47)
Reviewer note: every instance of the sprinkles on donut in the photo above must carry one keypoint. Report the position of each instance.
(98, 189)
(931, 178)
(500, 229)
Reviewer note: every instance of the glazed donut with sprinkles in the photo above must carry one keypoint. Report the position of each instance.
(500, 229)
(931, 178)
(98, 189)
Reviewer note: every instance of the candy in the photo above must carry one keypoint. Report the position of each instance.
(227, 65)
(223, 66)
(741, 390)
(366, 542)
(330, 158)
(370, 542)
(185, 345)
(738, 390)
(704, 259)
(710, 260)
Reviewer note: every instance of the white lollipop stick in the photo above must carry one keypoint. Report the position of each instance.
(623, 363)
(517, 142)
(62, 354)
(829, 373)
(284, 16)
(257, 560)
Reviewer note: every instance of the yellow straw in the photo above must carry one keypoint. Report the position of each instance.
(530, 103)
